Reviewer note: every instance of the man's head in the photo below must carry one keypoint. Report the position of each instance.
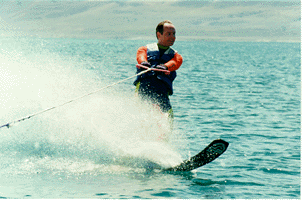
(165, 33)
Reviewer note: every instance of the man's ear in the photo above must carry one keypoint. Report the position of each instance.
(158, 34)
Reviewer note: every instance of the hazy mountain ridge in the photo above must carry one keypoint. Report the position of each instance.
(249, 21)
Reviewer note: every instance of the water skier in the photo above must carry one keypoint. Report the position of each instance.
(157, 86)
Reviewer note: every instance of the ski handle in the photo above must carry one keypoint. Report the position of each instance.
(167, 72)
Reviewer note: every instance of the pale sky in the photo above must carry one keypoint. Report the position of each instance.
(204, 20)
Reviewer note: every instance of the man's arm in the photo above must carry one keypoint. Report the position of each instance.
(141, 54)
(174, 63)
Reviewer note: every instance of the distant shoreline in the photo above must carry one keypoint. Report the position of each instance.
(179, 38)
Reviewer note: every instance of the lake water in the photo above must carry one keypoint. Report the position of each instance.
(247, 94)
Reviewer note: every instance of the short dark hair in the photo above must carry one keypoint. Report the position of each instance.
(160, 26)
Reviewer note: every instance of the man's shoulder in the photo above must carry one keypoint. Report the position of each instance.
(172, 51)
(142, 48)
(152, 46)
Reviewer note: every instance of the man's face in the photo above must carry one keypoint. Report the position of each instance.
(168, 37)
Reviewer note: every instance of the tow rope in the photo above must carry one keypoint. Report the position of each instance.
(8, 125)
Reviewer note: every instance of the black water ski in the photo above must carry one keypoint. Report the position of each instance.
(210, 153)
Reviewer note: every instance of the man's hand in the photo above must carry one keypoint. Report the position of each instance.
(145, 63)
(163, 67)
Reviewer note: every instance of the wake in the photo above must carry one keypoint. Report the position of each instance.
(108, 128)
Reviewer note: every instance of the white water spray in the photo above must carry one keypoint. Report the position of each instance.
(106, 127)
